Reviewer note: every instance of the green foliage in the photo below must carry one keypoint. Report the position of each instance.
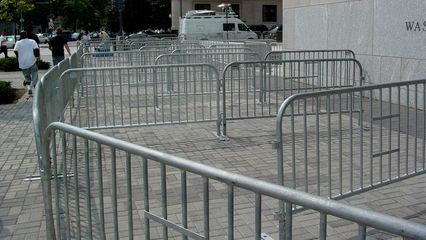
(7, 93)
(42, 64)
(11, 10)
(9, 64)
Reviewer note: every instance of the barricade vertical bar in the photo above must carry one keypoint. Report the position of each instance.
(67, 204)
(100, 191)
(76, 188)
(129, 195)
(362, 232)
(184, 202)
(146, 95)
(206, 208)
(88, 200)
(130, 99)
(329, 145)
(305, 123)
(230, 211)
(56, 185)
(112, 97)
(340, 147)
(317, 136)
(146, 196)
(258, 216)
(415, 124)
(288, 221)
(95, 82)
(361, 139)
(407, 146)
(87, 106)
(371, 136)
(120, 74)
(390, 134)
(381, 136)
(323, 226)
(399, 132)
(137, 83)
(293, 144)
(114, 191)
(164, 198)
(103, 79)
(351, 144)
(424, 128)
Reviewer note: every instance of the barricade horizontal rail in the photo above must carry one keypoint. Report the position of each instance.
(257, 89)
(102, 173)
(217, 59)
(212, 50)
(371, 136)
(144, 95)
(121, 58)
(310, 54)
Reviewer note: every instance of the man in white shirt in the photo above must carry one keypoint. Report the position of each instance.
(27, 52)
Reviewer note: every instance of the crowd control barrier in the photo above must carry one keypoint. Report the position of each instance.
(144, 95)
(99, 187)
(310, 54)
(340, 142)
(219, 60)
(121, 58)
(257, 89)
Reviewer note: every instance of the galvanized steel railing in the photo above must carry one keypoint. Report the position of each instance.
(145, 95)
(80, 183)
(340, 142)
(121, 58)
(218, 59)
(212, 50)
(103, 173)
(257, 89)
(310, 54)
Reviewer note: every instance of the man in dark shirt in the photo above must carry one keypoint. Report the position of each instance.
(31, 35)
(57, 45)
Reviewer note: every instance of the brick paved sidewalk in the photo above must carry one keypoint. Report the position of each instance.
(21, 203)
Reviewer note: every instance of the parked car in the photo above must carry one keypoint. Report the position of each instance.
(11, 41)
(67, 34)
(75, 36)
(139, 35)
(276, 33)
(43, 37)
(260, 30)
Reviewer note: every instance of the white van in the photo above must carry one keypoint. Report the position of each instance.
(211, 25)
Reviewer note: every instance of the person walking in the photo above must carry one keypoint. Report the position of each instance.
(27, 52)
(85, 39)
(57, 45)
(31, 35)
(3, 46)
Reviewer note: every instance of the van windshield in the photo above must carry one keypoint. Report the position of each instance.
(242, 27)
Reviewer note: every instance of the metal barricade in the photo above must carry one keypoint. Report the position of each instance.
(219, 60)
(121, 58)
(145, 95)
(212, 50)
(310, 54)
(256, 89)
(91, 183)
(341, 142)
(107, 180)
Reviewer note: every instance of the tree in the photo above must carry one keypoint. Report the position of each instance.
(12, 10)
